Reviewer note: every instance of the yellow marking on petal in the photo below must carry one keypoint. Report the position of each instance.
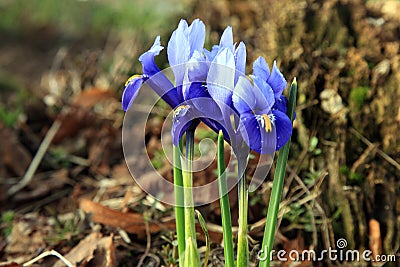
(179, 108)
(267, 123)
(132, 77)
(250, 80)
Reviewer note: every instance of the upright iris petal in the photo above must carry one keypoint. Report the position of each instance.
(277, 81)
(240, 60)
(197, 36)
(220, 79)
(220, 69)
(261, 68)
(185, 42)
(275, 78)
(227, 39)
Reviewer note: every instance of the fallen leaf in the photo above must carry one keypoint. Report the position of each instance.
(14, 156)
(83, 252)
(134, 223)
(9, 264)
(90, 97)
(130, 222)
(73, 120)
(24, 241)
(104, 253)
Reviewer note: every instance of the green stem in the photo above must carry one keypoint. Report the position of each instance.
(243, 246)
(277, 186)
(179, 210)
(192, 258)
(224, 202)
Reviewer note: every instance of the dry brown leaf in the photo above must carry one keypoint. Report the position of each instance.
(24, 241)
(92, 96)
(83, 252)
(130, 222)
(10, 264)
(104, 254)
(298, 245)
(73, 120)
(14, 155)
(133, 222)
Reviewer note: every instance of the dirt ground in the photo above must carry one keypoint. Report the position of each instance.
(64, 184)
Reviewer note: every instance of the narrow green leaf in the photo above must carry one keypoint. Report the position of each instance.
(277, 186)
(179, 210)
(205, 230)
(243, 243)
(192, 258)
(224, 202)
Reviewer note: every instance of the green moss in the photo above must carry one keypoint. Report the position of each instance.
(158, 159)
(357, 97)
(7, 218)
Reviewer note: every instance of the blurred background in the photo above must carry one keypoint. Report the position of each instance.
(64, 184)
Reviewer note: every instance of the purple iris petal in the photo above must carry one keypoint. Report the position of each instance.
(147, 58)
(255, 135)
(210, 55)
(183, 119)
(250, 131)
(261, 68)
(283, 128)
(281, 104)
(240, 60)
(197, 67)
(264, 95)
(220, 79)
(227, 39)
(164, 88)
(178, 48)
(197, 35)
(130, 92)
(243, 98)
(154, 77)
(277, 81)
(194, 90)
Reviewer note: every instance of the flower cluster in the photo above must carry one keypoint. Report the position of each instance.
(211, 86)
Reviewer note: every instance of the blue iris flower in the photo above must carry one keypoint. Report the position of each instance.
(186, 56)
(262, 108)
(210, 86)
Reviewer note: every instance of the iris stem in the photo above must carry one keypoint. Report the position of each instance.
(179, 210)
(243, 246)
(192, 258)
(224, 202)
(277, 186)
